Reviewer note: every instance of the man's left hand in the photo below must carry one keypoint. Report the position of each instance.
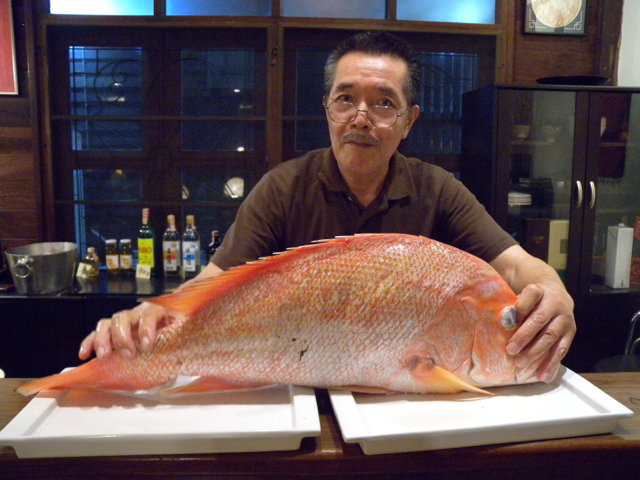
(547, 329)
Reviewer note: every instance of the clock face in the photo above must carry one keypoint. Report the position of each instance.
(556, 13)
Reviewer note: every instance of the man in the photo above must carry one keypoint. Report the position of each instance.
(363, 185)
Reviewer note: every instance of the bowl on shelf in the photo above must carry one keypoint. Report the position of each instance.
(582, 80)
(518, 199)
(520, 132)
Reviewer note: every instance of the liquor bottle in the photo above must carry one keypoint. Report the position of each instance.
(635, 254)
(171, 248)
(190, 249)
(111, 257)
(146, 240)
(213, 246)
(92, 260)
(126, 257)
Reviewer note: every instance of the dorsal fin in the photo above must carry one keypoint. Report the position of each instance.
(193, 297)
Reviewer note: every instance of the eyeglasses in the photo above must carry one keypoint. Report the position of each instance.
(379, 115)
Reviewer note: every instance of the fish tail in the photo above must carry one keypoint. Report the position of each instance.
(86, 375)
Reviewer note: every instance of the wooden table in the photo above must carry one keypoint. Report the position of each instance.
(615, 456)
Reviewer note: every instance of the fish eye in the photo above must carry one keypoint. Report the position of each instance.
(508, 318)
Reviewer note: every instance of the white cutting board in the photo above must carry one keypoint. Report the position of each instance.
(91, 422)
(570, 406)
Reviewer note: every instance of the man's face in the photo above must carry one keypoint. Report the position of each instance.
(361, 149)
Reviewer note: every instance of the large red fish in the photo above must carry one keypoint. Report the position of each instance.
(375, 313)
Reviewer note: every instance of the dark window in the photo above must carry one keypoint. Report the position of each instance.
(172, 120)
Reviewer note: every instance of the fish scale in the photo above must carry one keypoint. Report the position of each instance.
(378, 313)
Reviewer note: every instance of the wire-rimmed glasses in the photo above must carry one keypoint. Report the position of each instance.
(379, 115)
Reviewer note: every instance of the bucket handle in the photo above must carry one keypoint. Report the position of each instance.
(22, 268)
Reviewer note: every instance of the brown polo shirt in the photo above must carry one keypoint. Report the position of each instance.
(307, 199)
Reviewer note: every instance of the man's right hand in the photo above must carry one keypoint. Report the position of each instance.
(126, 331)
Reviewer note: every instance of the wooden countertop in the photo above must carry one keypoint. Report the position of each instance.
(614, 455)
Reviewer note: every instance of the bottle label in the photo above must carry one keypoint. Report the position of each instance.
(190, 256)
(126, 261)
(170, 256)
(84, 270)
(145, 251)
(112, 262)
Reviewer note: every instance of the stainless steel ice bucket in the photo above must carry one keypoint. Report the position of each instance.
(43, 268)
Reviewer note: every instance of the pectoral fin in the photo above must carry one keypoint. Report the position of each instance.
(436, 379)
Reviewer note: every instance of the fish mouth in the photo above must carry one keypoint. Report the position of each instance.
(360, 139)
(511, 376)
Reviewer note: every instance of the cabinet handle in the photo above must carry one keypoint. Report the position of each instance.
(592, 199)
(580, 195)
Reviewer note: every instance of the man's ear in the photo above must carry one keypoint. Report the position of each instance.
(412, 115)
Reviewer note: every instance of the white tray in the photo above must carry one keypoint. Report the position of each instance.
(568, 407)
(91, 422)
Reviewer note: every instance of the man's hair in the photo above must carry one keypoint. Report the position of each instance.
(378, 43)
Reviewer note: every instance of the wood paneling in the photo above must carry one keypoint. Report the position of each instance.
(15, 112)
(550, 59)
(16, 182)
(19, 224)
(20, 216)
(609, 39)
(16, 139)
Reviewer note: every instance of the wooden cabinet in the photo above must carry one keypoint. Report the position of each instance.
(557, 166)
(41, 335)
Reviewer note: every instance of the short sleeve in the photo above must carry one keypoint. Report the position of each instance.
(467, 225)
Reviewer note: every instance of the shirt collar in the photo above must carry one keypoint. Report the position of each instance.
(398, 183)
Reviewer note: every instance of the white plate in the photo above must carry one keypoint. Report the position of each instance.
(568, 407)
(91, 422)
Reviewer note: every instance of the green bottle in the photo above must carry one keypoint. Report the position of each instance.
(146, 241)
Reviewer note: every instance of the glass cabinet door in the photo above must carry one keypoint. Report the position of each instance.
(614, 190)
(538, 135)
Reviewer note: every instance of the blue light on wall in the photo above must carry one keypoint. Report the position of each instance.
(335, 8)
(454, 11)
(257, 8)
(102, 7)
